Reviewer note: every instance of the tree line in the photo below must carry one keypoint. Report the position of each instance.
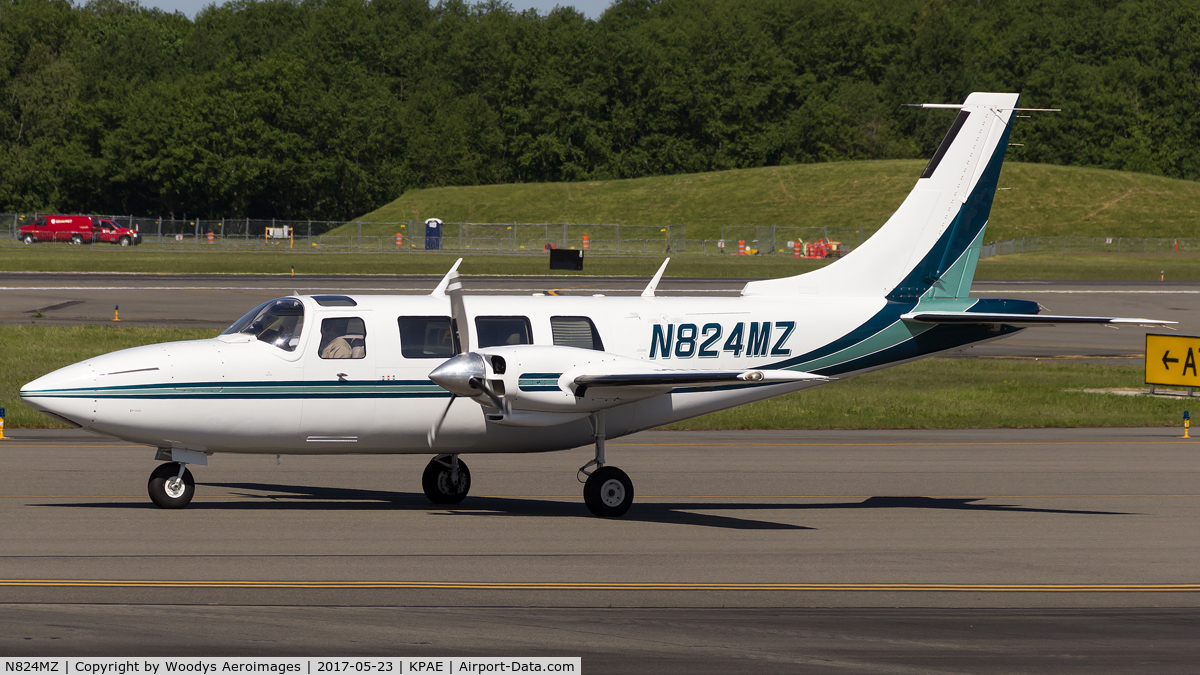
(329, 108)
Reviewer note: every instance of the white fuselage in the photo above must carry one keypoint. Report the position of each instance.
(235, 393)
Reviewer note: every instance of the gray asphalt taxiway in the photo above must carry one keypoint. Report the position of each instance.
(1058, 550)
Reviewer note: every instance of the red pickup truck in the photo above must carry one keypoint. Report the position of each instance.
(78, 230)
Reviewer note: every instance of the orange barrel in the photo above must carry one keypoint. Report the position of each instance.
(796, 249)
(741, 247)
(399, 239)
(210, 237)
(587, 242)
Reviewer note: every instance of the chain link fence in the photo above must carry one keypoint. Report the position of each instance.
(318, 236)
(460, 237)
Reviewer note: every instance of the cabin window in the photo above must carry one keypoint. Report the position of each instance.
(426, 337)
(277, 322)
(343, 338)
(499, 331)
(575, 331)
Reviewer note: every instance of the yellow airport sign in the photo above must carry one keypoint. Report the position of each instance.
(1172, 359)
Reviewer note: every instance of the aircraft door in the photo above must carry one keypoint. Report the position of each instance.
(339, 380)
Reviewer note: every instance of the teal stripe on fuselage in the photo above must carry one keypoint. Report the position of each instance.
(252, 390)
(538, 381)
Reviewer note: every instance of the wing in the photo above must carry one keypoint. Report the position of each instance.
(659, 379)
(1023, 319)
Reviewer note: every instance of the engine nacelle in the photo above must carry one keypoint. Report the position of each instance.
(542, 378)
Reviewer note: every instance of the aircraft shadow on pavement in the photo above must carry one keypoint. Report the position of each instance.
(299, 497)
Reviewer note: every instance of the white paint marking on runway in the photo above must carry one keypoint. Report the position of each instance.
(327, 289)
(1086, 292)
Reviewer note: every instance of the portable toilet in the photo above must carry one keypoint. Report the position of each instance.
(433, 234)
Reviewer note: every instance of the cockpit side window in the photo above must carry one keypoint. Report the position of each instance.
(277, 322)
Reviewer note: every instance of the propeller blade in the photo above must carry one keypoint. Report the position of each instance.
(437, 426)
(458, 313)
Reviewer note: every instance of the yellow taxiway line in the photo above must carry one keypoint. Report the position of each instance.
(818, 444)
(25, 442)
(607, 586)
(302, 497)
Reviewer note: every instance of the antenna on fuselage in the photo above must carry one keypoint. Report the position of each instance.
(649, 292)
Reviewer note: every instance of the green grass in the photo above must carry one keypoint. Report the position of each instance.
(929, 394)
(953, 393)
(1044, 200)
(1041, 265)
(66, 258)
(32, 351)
(1096, 266)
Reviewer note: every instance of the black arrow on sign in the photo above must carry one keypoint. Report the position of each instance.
(1166, 360)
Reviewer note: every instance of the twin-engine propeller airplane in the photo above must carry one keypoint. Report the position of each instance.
(385, 374)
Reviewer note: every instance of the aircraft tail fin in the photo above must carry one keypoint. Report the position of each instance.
(930, 245)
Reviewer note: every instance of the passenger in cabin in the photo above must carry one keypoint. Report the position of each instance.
(343, 339)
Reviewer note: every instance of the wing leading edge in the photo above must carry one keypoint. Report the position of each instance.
(690, 378)
(1024, 319)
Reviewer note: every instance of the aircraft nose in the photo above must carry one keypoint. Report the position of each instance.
(61, 393)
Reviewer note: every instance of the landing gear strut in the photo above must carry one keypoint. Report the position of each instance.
(608, 492)
(446, 480)
(171, 486)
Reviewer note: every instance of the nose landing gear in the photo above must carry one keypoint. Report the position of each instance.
(446, 480)
(171, 486)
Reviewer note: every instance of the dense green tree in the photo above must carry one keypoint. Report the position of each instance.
(328, 108)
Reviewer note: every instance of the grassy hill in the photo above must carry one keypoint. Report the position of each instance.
(1043, 200)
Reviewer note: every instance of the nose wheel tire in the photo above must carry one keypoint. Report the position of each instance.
(442, 485)
(168, 489)
(608, 492)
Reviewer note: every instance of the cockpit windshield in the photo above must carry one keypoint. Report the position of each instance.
(276, 322)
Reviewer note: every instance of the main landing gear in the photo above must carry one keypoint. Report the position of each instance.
(446, 480)
(608, 492)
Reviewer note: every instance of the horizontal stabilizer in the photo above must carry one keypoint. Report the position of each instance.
(1023, 319)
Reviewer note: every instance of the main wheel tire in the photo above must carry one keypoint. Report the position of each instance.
(124, 241)
(77, 240)
(608, 492)
(438, 486)
(28, 239)
(168, 490)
